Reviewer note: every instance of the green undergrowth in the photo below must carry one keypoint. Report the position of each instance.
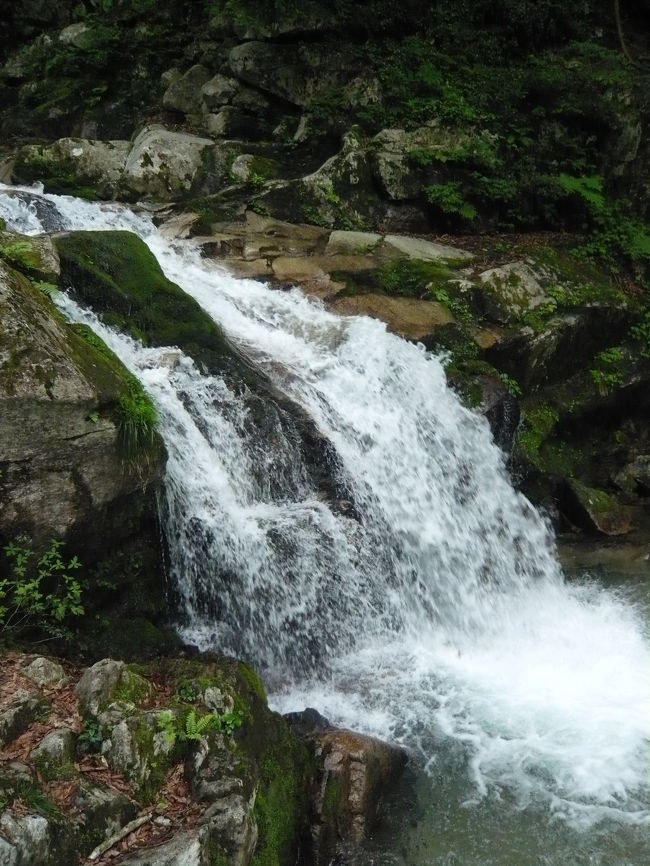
(136, 414)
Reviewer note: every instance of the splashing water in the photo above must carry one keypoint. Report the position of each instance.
(436, 613)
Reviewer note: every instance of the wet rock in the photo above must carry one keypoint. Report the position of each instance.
(356, 771)
(45, 673)
(307, 721)
(595, 510)
(408, 317)
(35, 255)
(25, 708)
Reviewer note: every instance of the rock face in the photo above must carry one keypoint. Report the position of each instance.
(64, 473)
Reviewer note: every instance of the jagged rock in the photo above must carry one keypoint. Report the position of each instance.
(141, 751)
(231, 821)
(25, 708)
(75, 34)
(14, 777)
(595, 510)
(356, 772)
(55, 750)
(232, 122)
(185, 93)
(214, 771)
(184, 849)
(397, 173)
(45, 673)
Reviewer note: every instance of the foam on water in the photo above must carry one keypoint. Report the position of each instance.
(440, 615)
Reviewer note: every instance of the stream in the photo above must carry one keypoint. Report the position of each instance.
(433, 611)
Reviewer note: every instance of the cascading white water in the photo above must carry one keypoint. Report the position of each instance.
(435, 613)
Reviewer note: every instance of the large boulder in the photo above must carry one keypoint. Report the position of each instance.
(75, 166)
(356, 772)
(295, 73)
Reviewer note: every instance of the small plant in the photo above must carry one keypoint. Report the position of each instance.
(606, 372)
(195, 726)
(39, 595)
(90, 739)
(511, 384)
(48, 289)
(137, 421)
(187, 692)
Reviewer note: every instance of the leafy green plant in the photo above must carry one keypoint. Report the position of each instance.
(49, 289)
(39, 595)
(187, 692)
(607, 370)
(641, 332)
(90, 739)
(194, 726)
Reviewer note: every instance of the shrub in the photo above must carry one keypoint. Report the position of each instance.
(38, 595)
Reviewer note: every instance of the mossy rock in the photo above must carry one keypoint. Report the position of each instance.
(119, 276)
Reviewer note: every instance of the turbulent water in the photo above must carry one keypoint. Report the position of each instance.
(430, 609)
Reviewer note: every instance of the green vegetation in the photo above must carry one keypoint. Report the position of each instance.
(607, 371)
(39, 594)
(194, 725)
(119, 276)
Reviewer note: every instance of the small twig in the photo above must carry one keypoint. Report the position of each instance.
(117, 837)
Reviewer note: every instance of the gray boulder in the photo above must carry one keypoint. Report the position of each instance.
(45, 673)
(55, 751)
(185, 93)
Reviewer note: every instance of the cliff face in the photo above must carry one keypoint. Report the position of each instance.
(65, 471)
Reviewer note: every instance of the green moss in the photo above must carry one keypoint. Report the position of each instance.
(117, 274)
(279, 806)
(132, 688)
(253, 679)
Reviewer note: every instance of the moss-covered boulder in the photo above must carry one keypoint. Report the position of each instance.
(118, 276)
(596, 510)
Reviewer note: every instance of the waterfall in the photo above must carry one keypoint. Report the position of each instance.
(431, 607)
